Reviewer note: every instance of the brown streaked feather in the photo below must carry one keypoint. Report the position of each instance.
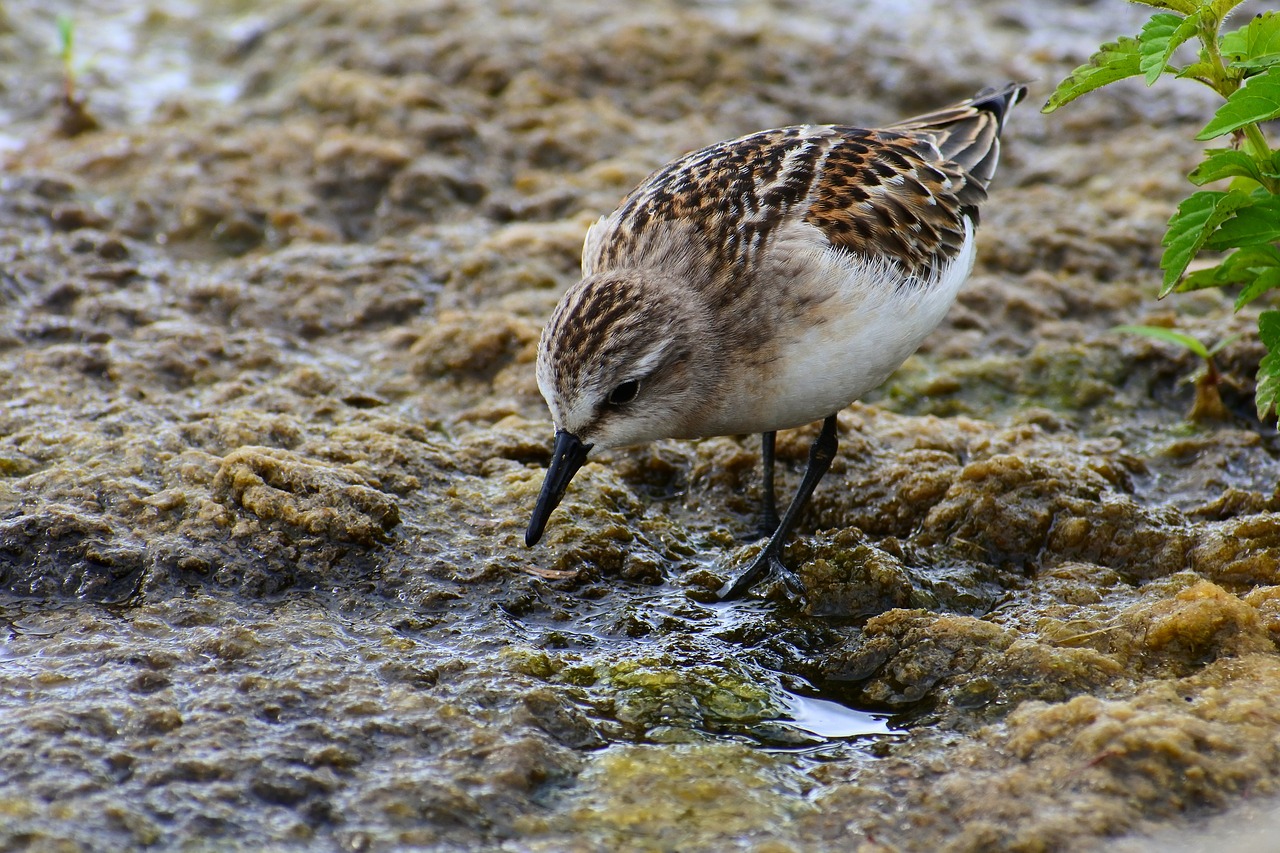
(908, 195)
(891, 194)
(733, 194)
(968, 133)
(901, 193)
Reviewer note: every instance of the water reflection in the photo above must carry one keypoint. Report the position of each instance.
(831, 720)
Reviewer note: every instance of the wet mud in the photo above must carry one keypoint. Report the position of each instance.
(270, 435)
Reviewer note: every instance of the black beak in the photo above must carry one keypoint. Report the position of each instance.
(566, 458)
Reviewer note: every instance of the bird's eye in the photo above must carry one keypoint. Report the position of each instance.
(625, 392)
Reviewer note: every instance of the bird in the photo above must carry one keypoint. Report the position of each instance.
(765, 283)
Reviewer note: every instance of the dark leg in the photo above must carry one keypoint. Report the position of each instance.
(768, 503)
(820, 456)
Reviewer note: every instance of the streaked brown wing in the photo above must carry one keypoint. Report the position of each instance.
(892, 194)
(905, 191)
(901, 193)
(728, 198)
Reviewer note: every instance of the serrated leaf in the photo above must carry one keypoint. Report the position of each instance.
(1255, 223)
(1160, 37)
(1269, 369)
(1201, 279)
(1221, 8)
(1225, 163)
(1113, 61)
(1247, 263)
(1243, 266)
(1202, 70)
(1222, 163)
(1186, 7)
(1160, 333)
(1266, 280)
(1257, 100)
(1250, 45)
(1197, 217)
(1257, 63)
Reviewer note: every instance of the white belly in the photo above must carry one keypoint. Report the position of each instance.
(844, 345)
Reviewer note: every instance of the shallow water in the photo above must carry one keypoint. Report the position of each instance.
(269, 437)
(833, 721)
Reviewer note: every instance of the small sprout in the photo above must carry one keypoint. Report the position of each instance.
(67, 52)
(1208, 403)
(75, 118)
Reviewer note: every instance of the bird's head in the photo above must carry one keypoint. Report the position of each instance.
(623, 360)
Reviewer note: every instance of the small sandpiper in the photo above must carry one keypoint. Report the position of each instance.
(762, 284)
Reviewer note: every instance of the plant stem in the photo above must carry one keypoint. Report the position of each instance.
(1257, 143)
(1223, 80)
(1208, 401)
(1226, 84)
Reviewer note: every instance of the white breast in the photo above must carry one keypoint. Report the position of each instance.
(862, 324)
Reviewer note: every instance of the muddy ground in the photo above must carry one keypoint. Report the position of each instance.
(269, 437)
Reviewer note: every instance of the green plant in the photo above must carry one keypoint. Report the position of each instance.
(1241, 222)
(74, 117)
(1208, 402)
(67, 53)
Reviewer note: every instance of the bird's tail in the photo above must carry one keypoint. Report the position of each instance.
(968, 133)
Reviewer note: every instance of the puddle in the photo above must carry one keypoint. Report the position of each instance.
(833, 721)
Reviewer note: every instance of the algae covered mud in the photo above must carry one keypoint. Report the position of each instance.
(269, 437)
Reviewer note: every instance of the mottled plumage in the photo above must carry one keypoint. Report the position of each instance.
(764, 283)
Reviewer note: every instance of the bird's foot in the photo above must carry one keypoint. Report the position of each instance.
(766, 562)
(792, 587)
(821, 453)
(737, 585)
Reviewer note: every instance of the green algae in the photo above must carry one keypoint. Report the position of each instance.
(668, 698)
(710, 796)
(1082, 382)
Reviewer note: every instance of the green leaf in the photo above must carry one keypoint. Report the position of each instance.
(1186, 7)
(1201, 70)
(1255, 45)
(1201, 279)
(1160, 37)
(1230, 163)
(1257, 63)
(1244, 265)
(1160, 333)
(1269, 369)
(1224, 343)
(1114, 61)
(1267, 280)
(1257, 100)
(1256, 267)
(1220, 8)
(66, 36)
(1197, 217)
(1255, 223)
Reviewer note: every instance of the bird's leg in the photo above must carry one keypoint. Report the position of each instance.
(768, 503)
(820, 456)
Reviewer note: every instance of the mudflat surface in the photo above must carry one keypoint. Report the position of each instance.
(269, 437)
